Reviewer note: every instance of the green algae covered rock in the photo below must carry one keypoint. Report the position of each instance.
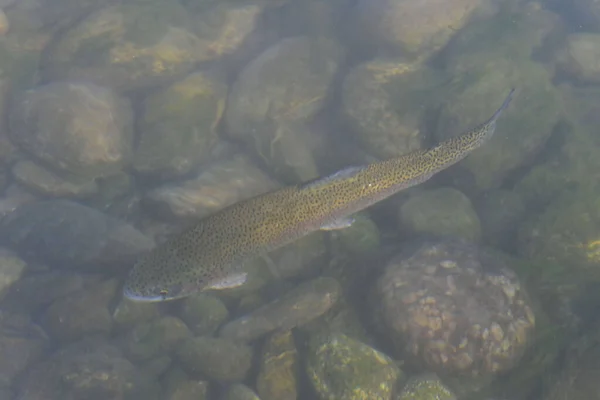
(425, 387)
(278, 375)
(128, 46)
(90, 369)
(578, 379)
(443, 212)
(178, 125)
(567, 232)
(341, 368)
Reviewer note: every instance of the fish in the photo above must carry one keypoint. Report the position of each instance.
(211, 254)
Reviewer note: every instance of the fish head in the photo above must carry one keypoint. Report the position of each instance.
(154, 279)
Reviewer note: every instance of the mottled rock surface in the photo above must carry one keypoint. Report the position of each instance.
(343, 368)
(89, 369)
(455, 307)
(278, 375)
(22, 343)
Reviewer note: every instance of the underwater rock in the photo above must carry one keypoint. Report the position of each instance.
(189, 390)
(79, 129)
(456, 308)
(37, 290)
(11, 270)
(240, 392)
(129, 46)
(441, 212)
(342, 368)
(278, 374)
(219, 359)
(154, 339)
(577, 379)
(384, 102)
(65, 234)
(417, 29)
(14, 197)
(572, 162)
(566, 233)
(82, 313)
(225, 28)
(21, 344)
(275, 94)
(478, 83)
(500, 212)
(304, 303)
(580, 57)
(519, 135)
(87, 370)
(426, 386)
(129, 313)
(47, 183)
(341, 318)
(203, 313)
(221, 184)
(177, 127)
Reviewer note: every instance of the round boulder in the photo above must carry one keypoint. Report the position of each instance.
(78, 128)
(456, 308)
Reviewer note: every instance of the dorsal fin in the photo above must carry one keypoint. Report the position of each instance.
(345, 173)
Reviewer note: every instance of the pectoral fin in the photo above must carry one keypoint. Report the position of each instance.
(341, 223)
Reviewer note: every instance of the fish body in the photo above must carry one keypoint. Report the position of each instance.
(211, 253)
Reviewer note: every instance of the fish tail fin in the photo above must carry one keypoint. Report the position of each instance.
(501, 109)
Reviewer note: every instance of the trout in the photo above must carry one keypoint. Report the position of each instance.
(211, 253)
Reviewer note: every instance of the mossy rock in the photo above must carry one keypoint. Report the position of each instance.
(567, 233)
(127, 46)
(342, 368)
(178, 125)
